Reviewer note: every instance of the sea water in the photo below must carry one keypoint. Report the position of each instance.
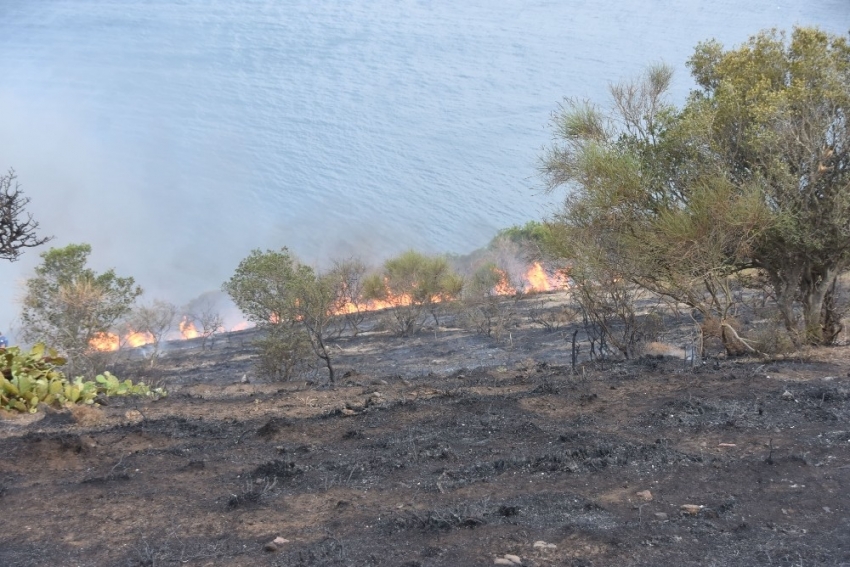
(177, 136)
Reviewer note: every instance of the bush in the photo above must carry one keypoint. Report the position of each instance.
(413, 286)
(487, 308)
(28, 379)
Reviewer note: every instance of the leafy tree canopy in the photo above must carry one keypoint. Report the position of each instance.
(67, 304)
(751, 173)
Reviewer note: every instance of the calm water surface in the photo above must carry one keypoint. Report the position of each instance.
(176, 136)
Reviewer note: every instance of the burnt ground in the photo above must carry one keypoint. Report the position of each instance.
(443, 449)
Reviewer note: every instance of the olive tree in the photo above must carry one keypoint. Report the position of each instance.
(67, 304)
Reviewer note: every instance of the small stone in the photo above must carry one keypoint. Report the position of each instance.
(280, 541)
(661, 516)
(502, 561)
(244, 379)
(513, 559)
(645, 495)
(787, 396)
(133, 416)
(348, 412)
(270, 547)
(691, 509)
(827, 509)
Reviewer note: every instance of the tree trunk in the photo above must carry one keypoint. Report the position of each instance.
(814, 289)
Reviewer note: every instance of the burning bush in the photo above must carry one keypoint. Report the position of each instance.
(413, 285)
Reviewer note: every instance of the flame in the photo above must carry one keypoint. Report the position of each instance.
(539, 280)
(105, 342)
(187, 329)
(504, 286)
(135, 339)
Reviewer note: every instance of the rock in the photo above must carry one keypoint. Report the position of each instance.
(691, 509)
(270, 547)
(540, 544)
(513, 559)
(661, 516)
(133, 416)
(280, 541)
(348, 412)
(502, 561)
(245, 379)
(87, 415)
(644, 495)
(787, 396)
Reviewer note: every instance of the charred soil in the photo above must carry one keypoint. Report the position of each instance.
(443, 449)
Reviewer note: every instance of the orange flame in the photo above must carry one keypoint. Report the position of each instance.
(504, 286)
(105, 342)
(136, 339)
(187, 329)
(539, 280)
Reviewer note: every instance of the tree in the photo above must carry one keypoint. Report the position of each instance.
(349, 275)
(156, 320)
(298, 308)
(647, 207)
(682, 201)
(205, 316)
(67, 304)
(777, 113)
(319, 302)
(17, 227)
(413, 285)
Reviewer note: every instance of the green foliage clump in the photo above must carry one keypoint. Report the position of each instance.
(28, 379)
(67, 304)
(299, 309)
(532, 232)
(752, 173)
(414, 285)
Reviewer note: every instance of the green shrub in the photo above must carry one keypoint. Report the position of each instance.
(28, 379)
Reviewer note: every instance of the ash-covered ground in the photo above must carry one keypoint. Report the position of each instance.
(447, 448)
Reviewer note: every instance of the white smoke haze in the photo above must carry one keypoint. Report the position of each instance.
(177, 137)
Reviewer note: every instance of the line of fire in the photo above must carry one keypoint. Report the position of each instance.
(536, 279)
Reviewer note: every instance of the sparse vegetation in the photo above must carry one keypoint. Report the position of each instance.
(485, 306)
(156, 320)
